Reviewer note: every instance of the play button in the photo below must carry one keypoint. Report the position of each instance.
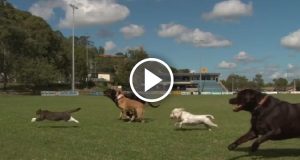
(151, 80)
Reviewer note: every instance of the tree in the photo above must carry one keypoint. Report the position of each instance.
(183, 71)
(101, 50)
(258, 81)
(120, 54)
(11, 35)
(80, 63)
(27, 41)
(122, 70)
(135, 55)
(280, 84)
(236, 82)
(174, 70)
(36, 72)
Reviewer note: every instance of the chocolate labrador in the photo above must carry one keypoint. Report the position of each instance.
(271, 118)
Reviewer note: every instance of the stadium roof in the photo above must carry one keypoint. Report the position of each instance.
(195, 74)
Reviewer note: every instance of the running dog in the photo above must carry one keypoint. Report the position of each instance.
(129, 105)
(129, 114)
(271, 118)
(55, 116)
(184, 117)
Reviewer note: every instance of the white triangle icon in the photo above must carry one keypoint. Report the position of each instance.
(150, 80)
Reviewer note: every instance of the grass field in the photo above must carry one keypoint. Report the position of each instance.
(100, 135)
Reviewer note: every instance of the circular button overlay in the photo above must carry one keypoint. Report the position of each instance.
(151, 80)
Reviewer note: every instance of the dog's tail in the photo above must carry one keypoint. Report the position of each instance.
(74, 110)
(152, 105)
(210, 116)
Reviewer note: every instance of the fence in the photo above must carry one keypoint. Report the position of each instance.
(59, 93)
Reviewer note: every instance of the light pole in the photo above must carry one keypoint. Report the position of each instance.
(232, 84)
(87, 58)
(73, 57)
(295, 88)
(200, 76)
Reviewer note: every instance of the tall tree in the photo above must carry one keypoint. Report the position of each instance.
(236, 82)
(36, 72)
(280, 84)
(258, 81)
(101, 50)
(123, 69)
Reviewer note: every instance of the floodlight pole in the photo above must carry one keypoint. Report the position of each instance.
(73, 57)
(295, 85)
(232, 84)
(87, 58)
(200, 78)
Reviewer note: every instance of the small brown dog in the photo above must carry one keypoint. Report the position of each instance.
(127, 104)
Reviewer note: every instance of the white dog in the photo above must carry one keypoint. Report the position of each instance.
(184, 117)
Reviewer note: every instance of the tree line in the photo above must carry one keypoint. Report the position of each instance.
(237, 82)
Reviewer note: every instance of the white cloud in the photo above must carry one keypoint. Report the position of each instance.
(109, 45)
(44, 9)
(193, 71)
(275, 71)
(89, 12)
(226, 65)
(229, 10)
(171, 30)
(293, 71)
(292, 40)
(290, 66)
(196, 37)
(132, 31)
(243, 57)
(200, 38)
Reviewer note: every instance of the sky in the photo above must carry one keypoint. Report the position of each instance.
(244, 37)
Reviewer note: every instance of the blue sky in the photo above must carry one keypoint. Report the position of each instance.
(232, 36)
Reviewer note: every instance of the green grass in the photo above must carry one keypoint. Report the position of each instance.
(100, 135)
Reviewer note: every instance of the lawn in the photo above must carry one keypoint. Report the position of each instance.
(101, 136)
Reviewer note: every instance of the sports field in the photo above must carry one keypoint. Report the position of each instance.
(100, 135)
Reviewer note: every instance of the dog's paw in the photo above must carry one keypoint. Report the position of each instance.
(254, 147)
(232, 146)
(33, 119)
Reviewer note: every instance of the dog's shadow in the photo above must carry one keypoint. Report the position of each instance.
(267, 153)
(58, 127)
(190, 129)
(146, 120)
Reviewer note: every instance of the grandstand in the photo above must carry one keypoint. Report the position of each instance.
(198, 82)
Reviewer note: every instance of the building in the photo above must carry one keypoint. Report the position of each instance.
(100, 77)
(198, 82)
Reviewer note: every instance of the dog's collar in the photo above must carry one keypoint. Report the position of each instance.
(262, 101)
(120, 96)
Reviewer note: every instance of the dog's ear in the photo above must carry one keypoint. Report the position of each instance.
(181, 109)
(178, 114)
(119, 91)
